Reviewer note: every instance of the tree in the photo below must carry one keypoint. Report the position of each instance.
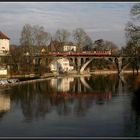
(135, 11)
(33, 36)
(80, 38)
(40, 36)
(62, 36)
(26, 39)
(132, 32)
(101, 44)
(88, 43)
(132, 29)
(109, 45)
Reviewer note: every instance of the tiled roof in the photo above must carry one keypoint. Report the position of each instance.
(3, 36)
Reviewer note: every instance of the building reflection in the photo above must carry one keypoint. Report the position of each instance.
(5, 104)
(79, 85)
(62, 84)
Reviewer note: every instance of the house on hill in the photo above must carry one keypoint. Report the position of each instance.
(61, 65)
(4, 44)
(69, 47)
(56, 46)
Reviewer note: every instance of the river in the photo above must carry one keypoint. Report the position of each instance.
(90, 106)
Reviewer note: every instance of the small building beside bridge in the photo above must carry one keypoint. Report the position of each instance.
(61, 65)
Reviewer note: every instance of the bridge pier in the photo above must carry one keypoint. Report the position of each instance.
(78, 64)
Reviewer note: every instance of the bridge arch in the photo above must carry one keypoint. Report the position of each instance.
(117, 62)
(85, 65)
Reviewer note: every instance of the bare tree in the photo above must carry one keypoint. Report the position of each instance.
(41, 37)
(33, 36)
(88, 43)
(132, 29)
(132, 32)
(135, 11)
(26, 39)
(62, 36)
(109, 45)
(79, 36)
(101, 44)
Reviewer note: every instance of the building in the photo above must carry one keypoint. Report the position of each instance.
(4, 44)
(56, 46)
(4, 54)
(69, 48)
(61, 65)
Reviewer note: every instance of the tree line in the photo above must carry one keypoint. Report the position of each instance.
(34, 37)
(132, 31)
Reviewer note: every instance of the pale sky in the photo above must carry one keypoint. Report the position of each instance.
(104, 20)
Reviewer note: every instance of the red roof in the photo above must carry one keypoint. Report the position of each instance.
(3, 36)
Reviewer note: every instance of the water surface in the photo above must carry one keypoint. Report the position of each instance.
(91, 106)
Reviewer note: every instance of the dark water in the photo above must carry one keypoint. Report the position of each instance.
(96, 106)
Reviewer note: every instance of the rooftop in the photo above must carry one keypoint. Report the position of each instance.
(3, 36)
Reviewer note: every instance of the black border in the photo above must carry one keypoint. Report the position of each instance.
(71, 138)
(70, 1)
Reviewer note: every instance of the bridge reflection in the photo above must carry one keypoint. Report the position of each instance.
(68, 95)
(87, 84)
(65, 96)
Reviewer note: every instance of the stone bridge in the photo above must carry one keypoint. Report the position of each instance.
(39, 63)
(81, 62)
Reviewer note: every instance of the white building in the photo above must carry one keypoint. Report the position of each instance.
(4, 44)
(61, 65)
(4, 51)
(68, 48)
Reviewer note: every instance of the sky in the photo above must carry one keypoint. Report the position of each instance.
(104, 20)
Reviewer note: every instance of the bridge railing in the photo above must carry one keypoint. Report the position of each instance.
(97, 53)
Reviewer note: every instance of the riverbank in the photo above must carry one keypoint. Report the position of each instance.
(112, 72)
(24, 79)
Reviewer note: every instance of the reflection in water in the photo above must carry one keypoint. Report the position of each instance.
(135, 114)
(5, 104)
(64, 95)
(62, 84)
(85, 83)
(100, 100)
